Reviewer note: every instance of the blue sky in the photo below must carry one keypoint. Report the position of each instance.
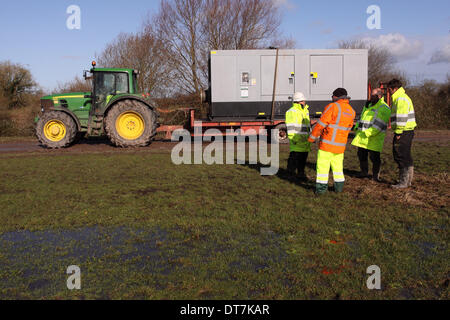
(34, 33)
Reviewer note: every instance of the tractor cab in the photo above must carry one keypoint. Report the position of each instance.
(110, 82)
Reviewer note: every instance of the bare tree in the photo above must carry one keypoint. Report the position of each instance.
(75, 85)
(284, 43)
(141, 51)
(191, 28)
(381, 62)
(241, 24)
(178, 26)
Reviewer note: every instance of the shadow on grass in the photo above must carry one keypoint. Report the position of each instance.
(310, 185)
(285, 175)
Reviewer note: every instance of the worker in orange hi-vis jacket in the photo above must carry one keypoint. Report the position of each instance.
(332, 130)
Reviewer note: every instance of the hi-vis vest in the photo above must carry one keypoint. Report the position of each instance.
(334, 126)
(402, 116)
(298, 128)
(371, 128)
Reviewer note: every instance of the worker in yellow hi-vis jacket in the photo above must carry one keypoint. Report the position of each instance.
(298, 128)
(403, 122)
(370, 133)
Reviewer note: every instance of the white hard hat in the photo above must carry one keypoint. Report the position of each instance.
(298, 96)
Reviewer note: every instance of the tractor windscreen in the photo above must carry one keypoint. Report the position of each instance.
(107, 83)
(110, 83)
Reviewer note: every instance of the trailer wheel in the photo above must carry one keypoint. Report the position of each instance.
(282, 136)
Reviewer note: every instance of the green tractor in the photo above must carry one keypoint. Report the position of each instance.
(114, 108)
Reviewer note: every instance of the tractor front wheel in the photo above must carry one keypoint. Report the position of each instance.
(56, 129)
(130, 123)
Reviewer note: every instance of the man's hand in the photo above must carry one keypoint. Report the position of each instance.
(397, 137)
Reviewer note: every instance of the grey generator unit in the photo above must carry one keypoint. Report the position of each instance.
(241, 82)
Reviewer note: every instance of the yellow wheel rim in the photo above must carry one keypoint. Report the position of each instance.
(130, 125)
(55, 130)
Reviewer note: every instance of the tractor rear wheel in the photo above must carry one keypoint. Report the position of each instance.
(56, 129)
(130, 123)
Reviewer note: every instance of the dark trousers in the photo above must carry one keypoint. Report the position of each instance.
(297, 161)
(375, 157)
(401, 148)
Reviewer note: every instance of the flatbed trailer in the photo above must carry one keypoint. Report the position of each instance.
(224, 124)
(198, 126)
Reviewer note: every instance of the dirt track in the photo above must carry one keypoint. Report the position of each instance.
(103, 145)
(84, 146)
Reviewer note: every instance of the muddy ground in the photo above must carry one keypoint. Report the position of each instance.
(28, 144)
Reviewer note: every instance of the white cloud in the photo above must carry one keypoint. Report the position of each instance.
(441, 55)
(398, 45)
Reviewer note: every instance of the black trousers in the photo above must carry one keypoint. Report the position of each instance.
(297, 161)
(363, 156)
(401, 149)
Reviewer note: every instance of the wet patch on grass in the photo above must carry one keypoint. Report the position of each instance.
(36, 261)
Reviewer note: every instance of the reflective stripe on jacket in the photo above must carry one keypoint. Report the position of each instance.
(371, 128)
(298, 128)
(334, 126)
(402, 117)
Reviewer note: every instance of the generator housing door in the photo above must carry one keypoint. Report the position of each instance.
(326, 74)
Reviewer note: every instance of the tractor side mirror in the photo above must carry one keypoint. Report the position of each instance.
(87, 76)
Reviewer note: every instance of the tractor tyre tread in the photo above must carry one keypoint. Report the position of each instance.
(69, 123)
(147, 114)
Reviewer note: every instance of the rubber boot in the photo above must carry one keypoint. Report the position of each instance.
(404, 178)
(302, 177)
(376, 172)
(364, 165)
(321, 188)
(399, 178)
(291, 166)
(410, 175)
(338, 187)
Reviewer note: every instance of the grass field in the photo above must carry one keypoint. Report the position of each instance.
(140, 227)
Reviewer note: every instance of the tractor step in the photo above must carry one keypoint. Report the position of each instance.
(95, 127)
